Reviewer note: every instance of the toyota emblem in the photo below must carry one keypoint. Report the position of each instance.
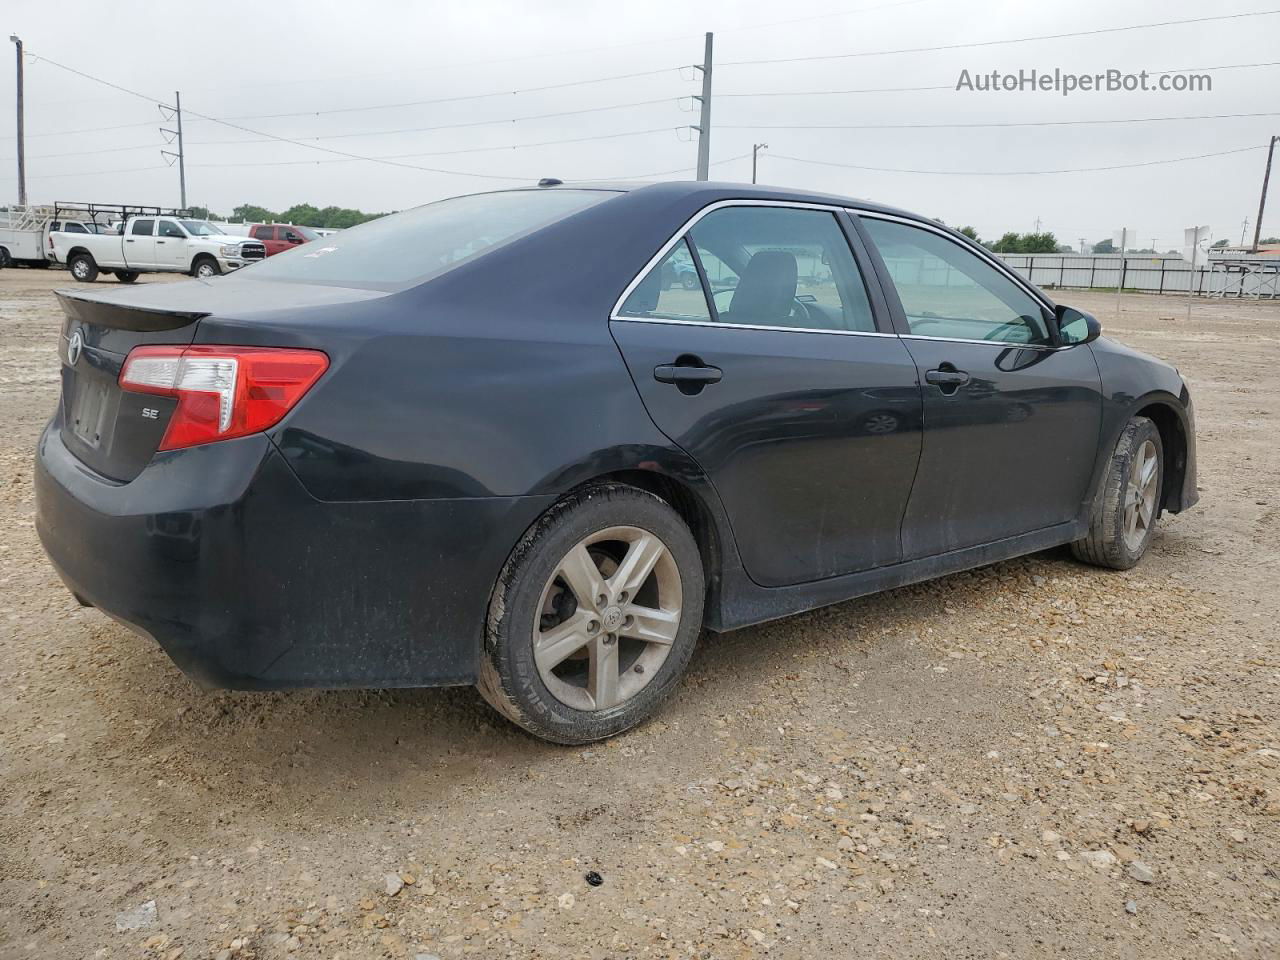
(74, 346)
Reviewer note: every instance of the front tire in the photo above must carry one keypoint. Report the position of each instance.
(205, 267)
(1128, 503)
(126, 276)
(594, 617)
(83, 268)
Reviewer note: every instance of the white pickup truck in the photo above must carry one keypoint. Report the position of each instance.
(155, 244)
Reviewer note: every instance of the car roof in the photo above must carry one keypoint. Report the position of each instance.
(711, 191)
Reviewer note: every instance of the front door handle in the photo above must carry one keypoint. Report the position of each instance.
(691, 375)
(947, 378)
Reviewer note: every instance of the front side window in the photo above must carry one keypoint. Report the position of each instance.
(142, 228)
(670, 291)
(952, 293)
(781, 267)
(168, 229)
(200, 228)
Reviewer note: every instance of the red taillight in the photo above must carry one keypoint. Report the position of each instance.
(222, 392)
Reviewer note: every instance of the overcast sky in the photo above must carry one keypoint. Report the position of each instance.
(304, 56)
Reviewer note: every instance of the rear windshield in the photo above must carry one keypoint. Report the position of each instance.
(405, 248)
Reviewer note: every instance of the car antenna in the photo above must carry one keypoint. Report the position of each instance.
(550, 182)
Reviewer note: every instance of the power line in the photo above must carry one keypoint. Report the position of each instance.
(86, 173)
(985, 124)
(463, 125)
(81, 153)
(64, 133)
(458, 99)
(1016, 173)
(998, 43)
(280, 139)
(432, 153)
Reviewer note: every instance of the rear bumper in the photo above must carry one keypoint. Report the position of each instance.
(248, 582)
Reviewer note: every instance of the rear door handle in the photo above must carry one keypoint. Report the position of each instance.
(679, 374)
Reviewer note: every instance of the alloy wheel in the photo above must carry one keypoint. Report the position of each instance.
(1140, 495)
(607, 618)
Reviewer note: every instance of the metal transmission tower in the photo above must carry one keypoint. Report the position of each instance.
(175, 112)
(22, 149)
(1262, 203)
(704, 121)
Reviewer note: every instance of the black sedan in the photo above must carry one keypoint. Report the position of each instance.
(487, 441)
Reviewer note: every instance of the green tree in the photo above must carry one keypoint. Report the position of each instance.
(204, 213)
(1044, 242)
(1221, 243)
(1008, 243)
(303, 214)
(248, 213)
(971, 233)
(1270, 240)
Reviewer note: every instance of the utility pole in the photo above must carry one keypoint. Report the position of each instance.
(1262, 204)
(1244, 229)
(1037, 224)
(181, 159)
(1082, 244)
(755, 150)
(22, 148)
(704, 122)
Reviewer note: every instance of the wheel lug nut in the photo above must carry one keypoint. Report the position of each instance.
(639, 668)
(610, 639)
(593, 626)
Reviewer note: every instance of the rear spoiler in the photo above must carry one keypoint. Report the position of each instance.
(122, 316)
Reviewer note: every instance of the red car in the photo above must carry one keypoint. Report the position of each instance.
(279, 237)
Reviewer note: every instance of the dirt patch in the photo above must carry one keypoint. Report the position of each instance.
(1033, 759)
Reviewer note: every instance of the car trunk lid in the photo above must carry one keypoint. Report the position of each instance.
(113, 432)
(116, 432)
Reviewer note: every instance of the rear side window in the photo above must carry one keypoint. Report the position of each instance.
(75, 228)
(410, 247)
(782, 267)
(264, 233)
(670, 291)
(142, 228)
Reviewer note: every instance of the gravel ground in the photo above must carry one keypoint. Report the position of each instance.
(1033, 759)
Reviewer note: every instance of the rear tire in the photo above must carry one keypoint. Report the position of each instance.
(83, 268)
(5, 259)
(1127, 504)
(126, 276)
(205, 267)
(552, 652)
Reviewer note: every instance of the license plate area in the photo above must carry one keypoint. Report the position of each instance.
(90, 411)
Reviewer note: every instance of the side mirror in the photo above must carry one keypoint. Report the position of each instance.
(1076, 326)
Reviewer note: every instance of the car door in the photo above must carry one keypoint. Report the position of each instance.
(171, 246)
(140, 244)
(267, 234)
(1011, 419)
(779, 377)
(290, 238)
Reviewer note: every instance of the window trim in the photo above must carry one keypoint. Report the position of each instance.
(982, 254)
(683, 232)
